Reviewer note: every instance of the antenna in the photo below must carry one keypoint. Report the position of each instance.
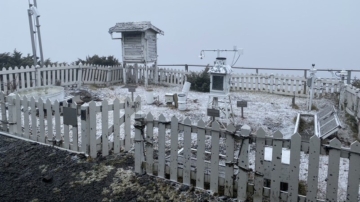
(34, 14)
(235, 50)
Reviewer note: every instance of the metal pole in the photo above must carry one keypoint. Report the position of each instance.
(39, 37)
(32, 37)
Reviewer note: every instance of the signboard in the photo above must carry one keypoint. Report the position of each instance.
(132, 89)
(241, 103)
(70, 116)
(213, 112)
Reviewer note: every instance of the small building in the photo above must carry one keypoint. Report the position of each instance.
(138, 39)
(220, 76)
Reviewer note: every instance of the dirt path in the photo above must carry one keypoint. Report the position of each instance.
(33, 172)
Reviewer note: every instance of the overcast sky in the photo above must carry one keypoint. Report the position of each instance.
(291, 34)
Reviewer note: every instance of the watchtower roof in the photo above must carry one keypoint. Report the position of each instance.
(134, 26)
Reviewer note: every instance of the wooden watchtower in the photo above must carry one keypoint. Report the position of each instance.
(139, 42)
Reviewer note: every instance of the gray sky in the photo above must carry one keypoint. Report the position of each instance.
(272, 33)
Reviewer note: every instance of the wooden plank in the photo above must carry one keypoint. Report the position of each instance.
(313, 169)
(187, 152)
(28, 80)
(75, 137)
(92, 131)
(62, 77)
(41, 121)
(57, 121)
(174, 149)
(243, 164)
(3, 111)
(104, 128)
(214, 181)
(84, 128)
(333, 171)
(22, 78)
(259, 165)
(12, 113)
(127, 125)
(5, 84)
(353, 175)
(200, 167)
(18, 115)
(276, 167)
(116, 115)
(66, 144)
(49, 122)
(49, 81)
(139, 150)
(33, 81)
(53, 74)
(294, 167)
(229, 169)
(150, 146)
(161, 146)
(33, 119)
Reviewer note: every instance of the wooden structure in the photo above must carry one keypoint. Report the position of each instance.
(45, 122)
(139, 42)
(225, 164)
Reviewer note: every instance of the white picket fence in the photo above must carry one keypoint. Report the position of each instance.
(43, 121)
(16, 78)
(222, 163)
(283, 85)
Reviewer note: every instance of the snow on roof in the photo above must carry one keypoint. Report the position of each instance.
(285, 157)
(220, 69)
(134, 26)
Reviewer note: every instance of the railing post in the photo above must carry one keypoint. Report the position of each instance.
(156, 76)
(79, 79)
(38, 76)
(124, 73)
(136, 73)
(108, 76)
(186, 68)
(12, 113)
(139, 142)
(85, 128)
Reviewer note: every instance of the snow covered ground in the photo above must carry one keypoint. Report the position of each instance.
(269, 111)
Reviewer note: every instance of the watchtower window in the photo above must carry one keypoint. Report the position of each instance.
(218, 83)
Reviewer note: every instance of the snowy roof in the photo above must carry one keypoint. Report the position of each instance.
(220, 67)
(134, 26)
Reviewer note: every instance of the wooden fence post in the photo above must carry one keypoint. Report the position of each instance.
(85, 125)
(79, 75)
(124, 73)
(3, 111)
(139, 143)
(92, 129)
(12, 113)
(243, 164)
(156, 76)
(108, 76)
(38, 76)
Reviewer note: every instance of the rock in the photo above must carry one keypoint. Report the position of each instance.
(184, 188)
(47, 178)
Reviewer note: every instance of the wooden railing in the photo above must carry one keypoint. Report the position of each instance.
(222, 165)
(44, 122)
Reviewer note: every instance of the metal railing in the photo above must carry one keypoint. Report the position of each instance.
(257, 69)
